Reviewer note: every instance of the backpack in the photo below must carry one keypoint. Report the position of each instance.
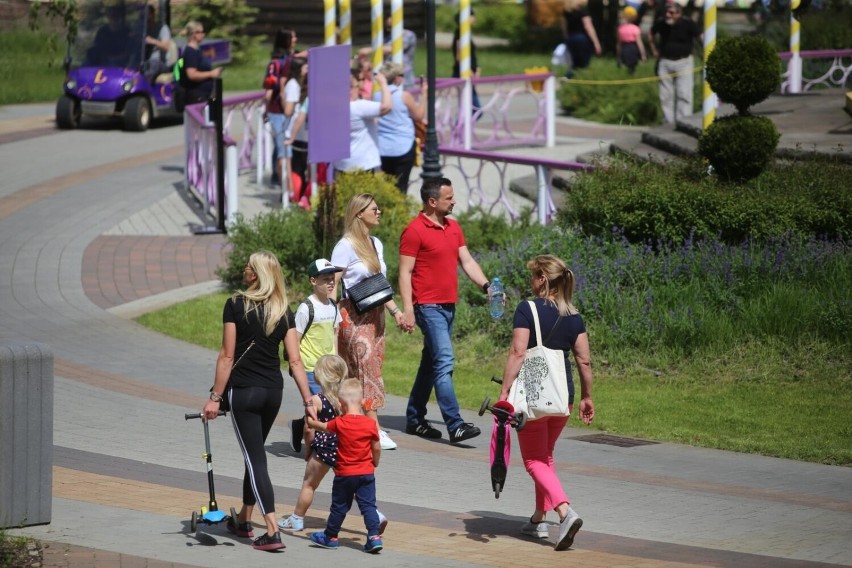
(277, 69)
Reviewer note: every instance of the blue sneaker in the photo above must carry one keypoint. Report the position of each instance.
(319, 538)
(374, 544)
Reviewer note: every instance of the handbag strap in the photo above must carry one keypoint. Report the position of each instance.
(534, 311)
(372, 242)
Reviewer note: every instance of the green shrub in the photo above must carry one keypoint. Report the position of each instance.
(287, 233)
(739, 147)
(827, 28)
(743, 70)
(650, 203)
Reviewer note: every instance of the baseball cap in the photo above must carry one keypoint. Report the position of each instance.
(322, 266)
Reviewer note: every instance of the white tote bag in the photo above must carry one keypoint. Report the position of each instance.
(541, 387)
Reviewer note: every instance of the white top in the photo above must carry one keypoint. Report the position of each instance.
(165, 34)
(292, 94)
(363, 137)
(302, 134)
(354, 270)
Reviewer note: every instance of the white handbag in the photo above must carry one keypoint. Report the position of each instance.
(541, 387)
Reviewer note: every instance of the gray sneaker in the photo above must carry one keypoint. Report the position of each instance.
(568, 528)
(535, 530)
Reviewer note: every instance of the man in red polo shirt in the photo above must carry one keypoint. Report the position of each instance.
(430, 250)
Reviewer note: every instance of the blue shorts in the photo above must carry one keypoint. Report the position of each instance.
(278, 122)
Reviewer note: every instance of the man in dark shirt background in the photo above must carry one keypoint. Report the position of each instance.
(672, 38)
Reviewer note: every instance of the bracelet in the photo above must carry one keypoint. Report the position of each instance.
(394, 311)
(486, 286)
(216, 397)
(308, 403)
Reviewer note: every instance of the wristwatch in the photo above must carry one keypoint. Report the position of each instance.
(216, 397)
(486, 286)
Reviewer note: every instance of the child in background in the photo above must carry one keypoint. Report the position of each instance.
(358, 454)
(317, 321)
(629, 49)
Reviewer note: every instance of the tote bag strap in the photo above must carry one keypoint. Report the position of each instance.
(538, 340)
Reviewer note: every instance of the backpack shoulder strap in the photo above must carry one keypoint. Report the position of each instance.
(310, 305)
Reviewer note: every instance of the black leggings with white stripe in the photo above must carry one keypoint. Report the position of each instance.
(253, 411)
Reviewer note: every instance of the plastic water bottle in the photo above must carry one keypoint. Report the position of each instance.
(495, 301)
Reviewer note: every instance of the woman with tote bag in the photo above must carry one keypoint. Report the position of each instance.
(563, 328)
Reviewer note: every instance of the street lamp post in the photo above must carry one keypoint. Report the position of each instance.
(431, 158)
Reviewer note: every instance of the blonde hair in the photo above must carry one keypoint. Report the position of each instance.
(359, 234)
(267, 294)
(190, 28)
(558, 282)
(329, 372)
(351, 393)
(571, 5)
(391, 71)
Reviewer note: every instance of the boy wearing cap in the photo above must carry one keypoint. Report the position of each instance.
(317, 321)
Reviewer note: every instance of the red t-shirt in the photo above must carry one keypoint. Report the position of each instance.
(435, 248)
(355, 435)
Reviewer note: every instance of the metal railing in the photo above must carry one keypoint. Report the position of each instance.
(837, 74)
(200, 147)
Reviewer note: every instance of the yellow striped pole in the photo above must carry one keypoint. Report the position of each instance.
(709, 104)
(464, 39)
(378, 33)
(795, 74)
(345, 22)
(396, 31)
(330, 17)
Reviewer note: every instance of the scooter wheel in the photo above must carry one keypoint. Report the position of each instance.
(484, 406)
(234, 515)
(497, 488)
(193, 523)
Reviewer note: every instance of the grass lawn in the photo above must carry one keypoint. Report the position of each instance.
(798, 413)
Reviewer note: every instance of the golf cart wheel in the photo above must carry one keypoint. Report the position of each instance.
(68, 113)
(137, 114)
(522, 421)
(193, 523)
(484, 406)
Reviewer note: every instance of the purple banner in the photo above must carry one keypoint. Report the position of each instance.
(328, 111)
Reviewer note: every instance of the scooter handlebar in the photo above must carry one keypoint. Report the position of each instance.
(198, 415)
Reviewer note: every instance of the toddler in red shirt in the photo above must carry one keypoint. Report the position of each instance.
(358, 454)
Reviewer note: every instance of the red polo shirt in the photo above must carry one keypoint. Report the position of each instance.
(435, 249)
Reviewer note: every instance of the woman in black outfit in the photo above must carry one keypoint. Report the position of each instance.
(198, 73)
(256, 321)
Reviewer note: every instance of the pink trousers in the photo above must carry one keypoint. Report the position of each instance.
(537, 440)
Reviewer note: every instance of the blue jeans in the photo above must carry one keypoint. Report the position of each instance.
(436, 366)
(312, 383)
(363, 489)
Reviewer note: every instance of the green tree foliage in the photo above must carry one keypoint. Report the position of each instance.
(739, 147)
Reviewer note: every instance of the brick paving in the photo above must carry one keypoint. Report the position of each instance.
(126, 471)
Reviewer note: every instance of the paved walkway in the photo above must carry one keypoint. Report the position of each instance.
(81, 251)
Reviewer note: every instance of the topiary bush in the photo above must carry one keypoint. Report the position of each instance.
(739, 147)
(743, 70)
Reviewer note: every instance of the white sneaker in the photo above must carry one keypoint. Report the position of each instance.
(385, 441)
(568, 528)
(292, 523)
(383, 522)
(535, 530)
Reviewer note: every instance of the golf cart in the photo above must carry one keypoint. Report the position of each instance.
(109, 68)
